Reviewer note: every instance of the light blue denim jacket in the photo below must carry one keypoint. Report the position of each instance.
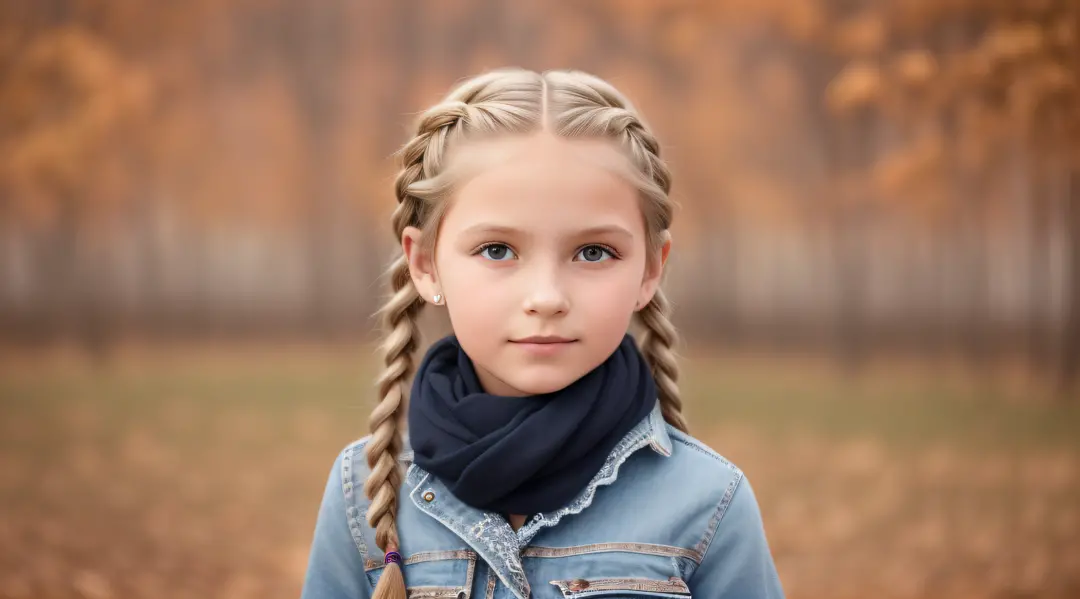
(664, 517)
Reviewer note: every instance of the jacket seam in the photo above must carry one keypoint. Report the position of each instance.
(354, 516)
(706, 451)
(718, 516)
(703, 546)
(545, 552)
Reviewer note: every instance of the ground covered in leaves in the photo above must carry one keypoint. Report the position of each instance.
(197, 472)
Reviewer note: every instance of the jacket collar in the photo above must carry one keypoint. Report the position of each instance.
(491, 535)
(659, 439)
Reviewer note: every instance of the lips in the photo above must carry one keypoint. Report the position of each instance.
(544, 339)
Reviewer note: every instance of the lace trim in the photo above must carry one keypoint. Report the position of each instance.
(633, 441)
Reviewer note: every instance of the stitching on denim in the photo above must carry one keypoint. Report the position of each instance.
(431, 592)
(492, 580)
(718, 516)
(660, 426)
(433, 556)
(641, 548)
(352, 513)
(470, 575)
(705, 450)
(425, 556)
(672, 586)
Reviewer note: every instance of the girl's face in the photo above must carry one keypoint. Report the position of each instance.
(541, 258)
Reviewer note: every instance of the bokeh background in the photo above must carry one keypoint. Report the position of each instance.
(876, 272)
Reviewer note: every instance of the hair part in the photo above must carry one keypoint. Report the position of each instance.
(502, 102)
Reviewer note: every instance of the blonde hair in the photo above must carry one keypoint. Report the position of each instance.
(568, 104)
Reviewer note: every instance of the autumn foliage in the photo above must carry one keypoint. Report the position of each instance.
(853, 175)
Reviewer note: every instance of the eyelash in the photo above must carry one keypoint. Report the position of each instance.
(610, 250)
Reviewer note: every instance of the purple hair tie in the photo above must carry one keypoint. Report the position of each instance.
(393, 556)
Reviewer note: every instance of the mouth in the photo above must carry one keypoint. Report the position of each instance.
(544, 346)
(543, 340)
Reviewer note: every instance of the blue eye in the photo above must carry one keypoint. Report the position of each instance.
(497, 252)
(594, 253)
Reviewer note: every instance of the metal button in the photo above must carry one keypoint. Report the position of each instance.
(579, 584)
(429, 496)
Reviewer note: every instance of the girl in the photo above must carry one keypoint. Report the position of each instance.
(547, 455)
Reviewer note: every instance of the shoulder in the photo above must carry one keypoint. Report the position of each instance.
(700, 467)
(347, 477)
(696, 450)
(690, 491)
(733, 554)
(728, 497)
(346, 486)
(353, 462)
(351, 466)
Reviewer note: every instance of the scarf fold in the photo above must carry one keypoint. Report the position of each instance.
(522, 455)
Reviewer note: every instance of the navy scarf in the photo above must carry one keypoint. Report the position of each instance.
(522, 455)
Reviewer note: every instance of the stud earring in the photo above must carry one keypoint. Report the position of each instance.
(437, 298)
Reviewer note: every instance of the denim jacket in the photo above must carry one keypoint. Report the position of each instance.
(665, 517)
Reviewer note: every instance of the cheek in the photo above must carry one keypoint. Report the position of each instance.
(476, 300)
(608, 305)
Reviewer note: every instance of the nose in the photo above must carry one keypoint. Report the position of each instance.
(545, 297)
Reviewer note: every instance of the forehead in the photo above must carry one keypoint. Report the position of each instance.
(543, 180)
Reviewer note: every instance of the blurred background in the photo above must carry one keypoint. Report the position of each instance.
(876, 272)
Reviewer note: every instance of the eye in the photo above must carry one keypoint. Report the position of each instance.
(498, 252)
(595, 253)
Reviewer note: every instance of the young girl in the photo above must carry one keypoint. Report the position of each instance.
(546, 455)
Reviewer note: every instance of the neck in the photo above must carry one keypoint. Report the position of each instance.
(516, 520)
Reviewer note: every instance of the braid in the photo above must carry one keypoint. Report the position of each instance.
(660, 335)
(398, 317)
(645, 151)
(420, 157)
(657, 343)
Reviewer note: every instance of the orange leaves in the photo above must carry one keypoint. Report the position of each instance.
(914, 67)
(959, 85)
(863, 35)
(1012, 41)
(915, 177)
(857, 86)
(68, 99)
(918, 161)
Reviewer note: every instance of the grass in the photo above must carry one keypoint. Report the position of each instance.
(197, 472)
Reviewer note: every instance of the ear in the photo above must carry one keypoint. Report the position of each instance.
(421, 264)
(654, 270)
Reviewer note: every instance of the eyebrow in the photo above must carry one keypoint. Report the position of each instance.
(489, 229)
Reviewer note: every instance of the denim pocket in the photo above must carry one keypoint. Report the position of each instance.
(580, 588)
(434, 574)
(430, 592)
